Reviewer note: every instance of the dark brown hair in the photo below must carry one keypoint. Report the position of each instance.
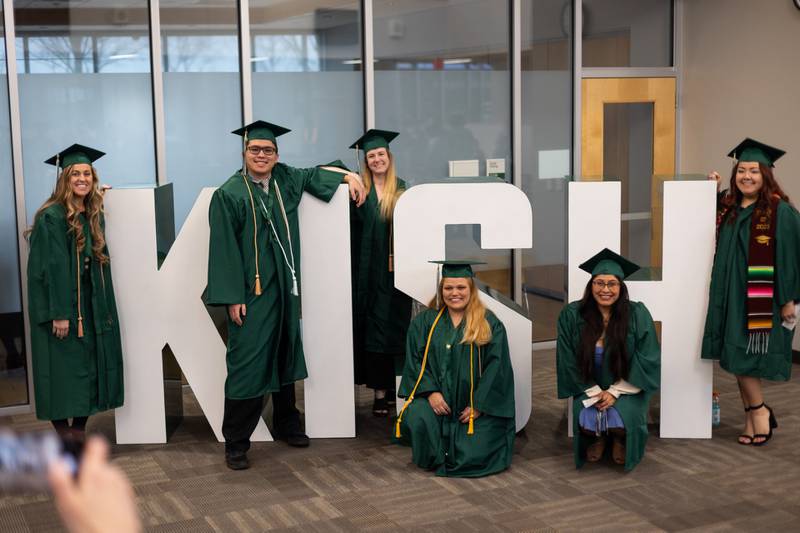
(769, 189)
(616, 333)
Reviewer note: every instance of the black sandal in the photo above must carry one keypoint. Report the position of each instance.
(745, 435)
(380, 408)
(773, 423)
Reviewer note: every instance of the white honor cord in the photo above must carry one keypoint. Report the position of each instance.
(289, 265)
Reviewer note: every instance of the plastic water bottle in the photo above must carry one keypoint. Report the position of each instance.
(715, 414)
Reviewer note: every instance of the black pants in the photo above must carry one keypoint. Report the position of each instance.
(241, 417)
(380, 370)
(78, 422)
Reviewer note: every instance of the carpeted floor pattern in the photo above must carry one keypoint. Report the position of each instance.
(366, 484)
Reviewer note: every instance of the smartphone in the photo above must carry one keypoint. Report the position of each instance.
(25, 458)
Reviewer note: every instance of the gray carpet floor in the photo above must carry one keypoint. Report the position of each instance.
(366, 484)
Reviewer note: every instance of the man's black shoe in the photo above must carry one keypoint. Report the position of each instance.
(296, 438)
(237, 461)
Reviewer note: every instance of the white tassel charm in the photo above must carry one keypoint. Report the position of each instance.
(295, 292)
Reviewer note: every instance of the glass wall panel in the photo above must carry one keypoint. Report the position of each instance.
(306, 63)
(546, 155)
(202, 96)
(627, 33)
(442, 80)
(13, 364)
(84, 76)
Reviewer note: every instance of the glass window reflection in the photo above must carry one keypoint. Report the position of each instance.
(546, 159)
(442, 80)
(306, 63)
(202, 97)
(84, 76)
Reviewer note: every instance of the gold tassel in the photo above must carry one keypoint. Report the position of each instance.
(391, 262)
(470, 428)
(397, 428)
(258, 285)
(80, 327)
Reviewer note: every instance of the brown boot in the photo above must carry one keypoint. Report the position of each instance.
(594, 452)
(618, 446)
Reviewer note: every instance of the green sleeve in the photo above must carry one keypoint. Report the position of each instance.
(226, 277)
(415, 350)
(494, 394)
(320, 182)
(50, 280)
(569, 379)
(645, 363)
(787, 254)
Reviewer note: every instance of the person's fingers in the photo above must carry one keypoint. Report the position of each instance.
(244, 309)
(64, 491)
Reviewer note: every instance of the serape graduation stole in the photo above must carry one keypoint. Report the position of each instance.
(761, 277)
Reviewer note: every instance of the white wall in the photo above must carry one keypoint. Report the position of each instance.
(740, 80)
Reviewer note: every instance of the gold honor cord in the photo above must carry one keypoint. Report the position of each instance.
(257, 289)
(421, 372)
(470, 428)
(78, 270)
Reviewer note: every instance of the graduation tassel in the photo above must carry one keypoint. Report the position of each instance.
(391, 247)
(78, 271)
(257, 290)
(295, 292)
(419, 379)
(471, 426)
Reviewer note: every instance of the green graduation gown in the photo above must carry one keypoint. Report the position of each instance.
(644, 363)
(71, 376)
(259, 363)
(441, 443)
(381, 313)
(725, 336)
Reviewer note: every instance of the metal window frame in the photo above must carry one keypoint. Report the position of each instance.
(9, 34)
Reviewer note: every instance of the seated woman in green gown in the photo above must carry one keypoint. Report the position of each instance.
(75, 340)
(458, 416)
(609, 362)
(755, 283)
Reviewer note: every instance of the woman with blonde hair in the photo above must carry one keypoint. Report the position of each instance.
(458, 383)
(381, 313)
(75, 340)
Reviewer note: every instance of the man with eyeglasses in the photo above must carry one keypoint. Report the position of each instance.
(253, 270)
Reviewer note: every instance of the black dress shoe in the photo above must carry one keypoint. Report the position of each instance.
(297, 439)
(237, 461)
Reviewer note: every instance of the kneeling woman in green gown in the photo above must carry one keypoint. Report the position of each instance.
(458, 383)
(755, 283)
(75, 340)
(609, 362)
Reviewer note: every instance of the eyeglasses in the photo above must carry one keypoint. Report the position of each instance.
(255, 150)
(610, 285)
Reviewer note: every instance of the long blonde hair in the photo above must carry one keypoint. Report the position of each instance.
(390, 190)
(93, 208)
(476, 328)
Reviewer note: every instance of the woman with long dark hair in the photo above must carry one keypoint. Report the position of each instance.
(75, 340)
(381, 313)
(609, 362)
(458, 416)
(755, 283)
